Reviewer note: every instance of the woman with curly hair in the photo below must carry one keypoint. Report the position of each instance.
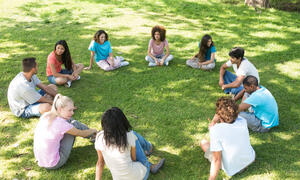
(229, 146)
(122, 149)
(61, 55)
(157, 44)
(205, 58)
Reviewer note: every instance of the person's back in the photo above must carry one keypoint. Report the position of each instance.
(119, 161)
(21, 93)
(234, 142)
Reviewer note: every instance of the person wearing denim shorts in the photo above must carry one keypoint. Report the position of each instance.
(24, 101)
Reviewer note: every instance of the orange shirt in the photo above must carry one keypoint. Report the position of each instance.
(52, 60)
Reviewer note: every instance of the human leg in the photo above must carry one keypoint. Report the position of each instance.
(150, 60)
(79, 125)
(146, 146)
(66, 145)
(209, 66)
(103, 64)
(253, 122)
(193, 63)
(168, 59)
(141, 157)
(79, 68)
(229, 78)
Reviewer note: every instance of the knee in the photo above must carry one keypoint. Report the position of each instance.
(80, 66)
(170, 57)
(45, 107)
(61, 81)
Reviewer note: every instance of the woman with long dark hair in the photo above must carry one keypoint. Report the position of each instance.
(205, 58)
(123, 150)
(61, 55)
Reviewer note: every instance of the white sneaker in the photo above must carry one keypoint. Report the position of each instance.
(68, 84)
(124, 63)
(167, 63)
(78, 78)
(151, 64)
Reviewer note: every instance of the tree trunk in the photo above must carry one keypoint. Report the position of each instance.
(261, 3)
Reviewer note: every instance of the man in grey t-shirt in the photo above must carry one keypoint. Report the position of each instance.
(24, 101)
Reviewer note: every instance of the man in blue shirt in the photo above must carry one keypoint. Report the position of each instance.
(260, 99)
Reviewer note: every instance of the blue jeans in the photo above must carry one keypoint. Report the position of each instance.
(33, 109)
(51, 78)
(229, 78)
(142, 145)
(159, 57)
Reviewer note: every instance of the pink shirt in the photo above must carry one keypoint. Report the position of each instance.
(47, 140)
(157, 49)
(52, 60)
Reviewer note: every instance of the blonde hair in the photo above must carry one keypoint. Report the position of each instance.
(59, 101)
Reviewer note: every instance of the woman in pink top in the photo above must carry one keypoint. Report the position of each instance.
(55, 134)
(61, 55)
(157, 44)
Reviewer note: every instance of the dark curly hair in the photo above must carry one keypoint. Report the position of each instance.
(66, 56)
(115, 126)
(161, 30)
(98, 33)
(227, 109)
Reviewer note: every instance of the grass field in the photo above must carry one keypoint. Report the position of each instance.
(169, 106)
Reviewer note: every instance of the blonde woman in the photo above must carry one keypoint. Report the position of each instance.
(55, 134)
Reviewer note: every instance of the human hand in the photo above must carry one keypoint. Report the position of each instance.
(157, 62)
(221, 83)
(223, 87)
(87, 68)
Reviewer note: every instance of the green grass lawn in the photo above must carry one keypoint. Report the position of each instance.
(169, 106)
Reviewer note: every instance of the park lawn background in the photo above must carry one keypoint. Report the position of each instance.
(169, 106)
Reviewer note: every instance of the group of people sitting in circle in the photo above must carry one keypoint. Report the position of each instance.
(123, 150)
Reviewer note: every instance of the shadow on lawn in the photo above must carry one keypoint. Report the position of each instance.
(142, 92)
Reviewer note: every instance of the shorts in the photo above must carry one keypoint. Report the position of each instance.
(33, 109)
(51, 78)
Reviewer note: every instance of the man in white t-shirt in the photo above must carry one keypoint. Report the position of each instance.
(229, 147)
(23, 99)
(231, 83)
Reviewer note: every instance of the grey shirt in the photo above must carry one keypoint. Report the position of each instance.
(22, 93)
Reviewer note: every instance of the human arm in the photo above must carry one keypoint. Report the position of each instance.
(215, 165)
(239, 95)
(57, 74)
(243, 106)
(47, 89)
(111, 57)
(99, 166)
(133, 153)
(91, 60)
(222, 72)
(212, 58)
(149, 54)
(238, 81)
(82, 133)
(45, 100)
(166, 55)
(214, 121)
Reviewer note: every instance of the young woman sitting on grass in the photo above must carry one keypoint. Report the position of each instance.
(102, 53)
(61, 55)
(157, 44)
(55, 134)
(123, 150)
(205, 58)
(229, 147)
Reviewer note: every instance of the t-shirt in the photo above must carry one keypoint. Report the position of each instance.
(246, 68)
(22, 93)
(210, 50)
(264, 106)
(157, 49)
(52, 60)
(47, 140)
(120, 163)
(234, 142)
(101, 50)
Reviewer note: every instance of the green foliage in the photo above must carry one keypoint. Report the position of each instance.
(168, 105)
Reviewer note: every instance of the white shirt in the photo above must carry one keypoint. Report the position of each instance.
(234, 142)
(246, 68)
(120, 163)
(22, 93)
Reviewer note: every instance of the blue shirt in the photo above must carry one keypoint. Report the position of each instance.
(265, 107)
(212, 49)
(101, 50)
